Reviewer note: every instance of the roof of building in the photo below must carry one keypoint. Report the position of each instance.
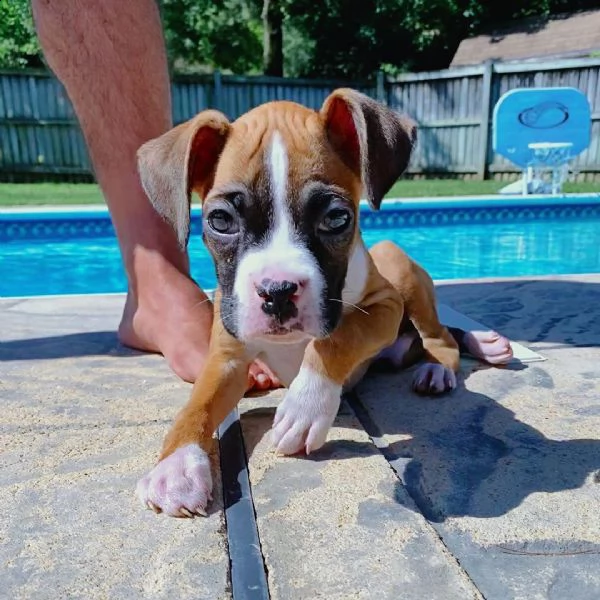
(573, 34)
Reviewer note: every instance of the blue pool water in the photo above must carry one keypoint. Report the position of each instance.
(77, 253)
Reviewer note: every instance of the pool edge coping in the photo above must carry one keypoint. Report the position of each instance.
(389, 204)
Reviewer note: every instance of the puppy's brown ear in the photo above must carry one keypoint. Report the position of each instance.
(374, 141)
(179, 161)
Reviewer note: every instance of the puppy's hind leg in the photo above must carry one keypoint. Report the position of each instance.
(438, 373)
(406, 350)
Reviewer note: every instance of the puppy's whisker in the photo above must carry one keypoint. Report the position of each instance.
(201, 303)
(225, 318)
(326, 336)
(348, 304)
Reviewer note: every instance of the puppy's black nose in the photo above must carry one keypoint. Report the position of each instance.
(277, 299)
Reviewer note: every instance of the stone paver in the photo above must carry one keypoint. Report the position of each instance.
(81, 420)
(339, 524)
(498, 492)
(508, 468)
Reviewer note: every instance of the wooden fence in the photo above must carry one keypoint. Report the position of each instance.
(454, 110)
(39, 135)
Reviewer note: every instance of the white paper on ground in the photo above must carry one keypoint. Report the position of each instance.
(452, 318)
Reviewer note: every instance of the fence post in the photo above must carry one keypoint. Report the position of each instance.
(484, 126)
(380, 88)
(217, 90)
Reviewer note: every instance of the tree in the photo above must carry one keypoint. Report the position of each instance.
(329, 38)
(272, 19)
(349, 39)
(18, 41)
(353, 39)
(220, 34)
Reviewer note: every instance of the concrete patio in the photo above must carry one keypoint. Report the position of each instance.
(492, 492)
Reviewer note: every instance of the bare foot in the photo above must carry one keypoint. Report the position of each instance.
(260, 377)
(174, 318)
(489, 346)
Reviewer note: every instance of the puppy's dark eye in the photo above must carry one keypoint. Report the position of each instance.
(222, 222)
(335, 221)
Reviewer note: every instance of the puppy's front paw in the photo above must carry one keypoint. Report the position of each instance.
(307, 412)
(180, 485)
(433, 378)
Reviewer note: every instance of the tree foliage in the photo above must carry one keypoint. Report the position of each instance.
(354, 39)
(214, 34)
(18, 42)
(349, 39)
(328, 38)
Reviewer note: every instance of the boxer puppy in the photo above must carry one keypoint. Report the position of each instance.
(296, 285)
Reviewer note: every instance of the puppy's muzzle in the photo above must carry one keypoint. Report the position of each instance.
(279, 299)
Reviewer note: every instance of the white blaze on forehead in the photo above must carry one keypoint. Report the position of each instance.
(278, 169)
(277, 166)
(281, 255)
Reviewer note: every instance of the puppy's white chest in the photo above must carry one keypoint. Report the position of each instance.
(284, 359)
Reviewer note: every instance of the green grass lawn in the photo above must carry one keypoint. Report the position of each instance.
(52, 194)
(423, 188)
(49, 194)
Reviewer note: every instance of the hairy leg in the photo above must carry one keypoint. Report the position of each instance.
(111, 58)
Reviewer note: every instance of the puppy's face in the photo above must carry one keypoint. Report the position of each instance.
(281, 222)
(281, 188)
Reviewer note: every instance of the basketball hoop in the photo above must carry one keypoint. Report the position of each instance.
(549, 159)
(542, 131)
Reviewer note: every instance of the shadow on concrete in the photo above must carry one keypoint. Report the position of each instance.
(471, 456)
(462, 455)
(467, 454)
(96, 343)
(548, 311)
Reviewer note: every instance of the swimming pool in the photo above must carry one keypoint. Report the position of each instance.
(69, 251)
